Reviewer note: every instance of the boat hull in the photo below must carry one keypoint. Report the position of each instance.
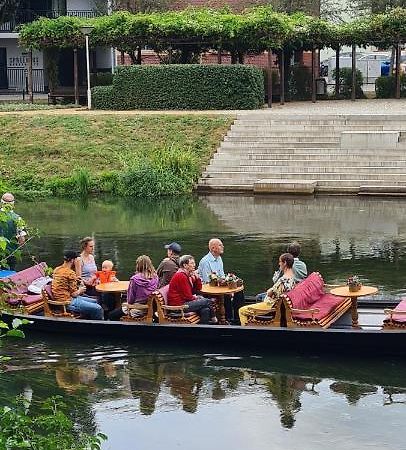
(266, 339)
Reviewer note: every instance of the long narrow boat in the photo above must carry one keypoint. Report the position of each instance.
(370, 340)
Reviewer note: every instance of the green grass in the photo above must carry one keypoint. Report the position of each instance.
(116, 153)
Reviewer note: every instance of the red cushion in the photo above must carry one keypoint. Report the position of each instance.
(306, 293)
(326, 304)
(401, 307)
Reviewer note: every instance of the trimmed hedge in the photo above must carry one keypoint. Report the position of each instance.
(189, 86)
(385, 87)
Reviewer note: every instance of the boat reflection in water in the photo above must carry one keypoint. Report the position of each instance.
(134, 385)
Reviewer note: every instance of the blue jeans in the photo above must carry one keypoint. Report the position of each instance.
(86, 306)
(203, 307)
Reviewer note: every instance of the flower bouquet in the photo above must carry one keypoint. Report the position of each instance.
(233, 281)
(354, 283)
(213, 279)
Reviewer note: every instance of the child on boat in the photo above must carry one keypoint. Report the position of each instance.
(107, 274)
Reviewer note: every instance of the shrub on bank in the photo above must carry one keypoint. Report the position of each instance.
(188, 86)
(385, 87)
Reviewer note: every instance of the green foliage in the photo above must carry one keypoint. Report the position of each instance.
(184, 87)
(101, 79)
(81, 178)
(49, 429)
(168, 172)
(300, 83)
(345, 75)
(103, 97)
(385, 87)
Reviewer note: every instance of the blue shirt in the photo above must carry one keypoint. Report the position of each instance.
(209, 264)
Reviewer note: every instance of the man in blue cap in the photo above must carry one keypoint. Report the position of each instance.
(169, 265)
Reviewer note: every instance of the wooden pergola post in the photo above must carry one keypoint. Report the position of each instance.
(219, 55)
(313, 75)
(337, 81)
(30, 78)
(397, 71)
(76, 76)
(122, 58)
(282, 77)
(270, 64)
(170, 55)
(139, 55)
(354, 72)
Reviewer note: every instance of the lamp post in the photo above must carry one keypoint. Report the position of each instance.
(86, 30)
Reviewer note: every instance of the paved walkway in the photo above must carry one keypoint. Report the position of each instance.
(370, 106)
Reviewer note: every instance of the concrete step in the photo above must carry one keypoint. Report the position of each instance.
(310, 126)
(323, 118)
(304, 168)
(254, 137)
(290, 132)
(306, 153)
(315, 160)
(247, 176)
(252, 145)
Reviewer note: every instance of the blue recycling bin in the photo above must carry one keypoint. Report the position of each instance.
(385, 68)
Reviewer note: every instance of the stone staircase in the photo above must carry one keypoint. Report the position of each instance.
(343, 154)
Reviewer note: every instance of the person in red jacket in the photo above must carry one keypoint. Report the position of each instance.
(183, 289)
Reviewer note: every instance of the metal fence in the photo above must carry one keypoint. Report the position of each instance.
(28, 15)
(18, 80)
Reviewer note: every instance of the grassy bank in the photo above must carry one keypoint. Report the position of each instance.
(125, 155)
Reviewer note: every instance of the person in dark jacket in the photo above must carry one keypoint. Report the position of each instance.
(169, 265)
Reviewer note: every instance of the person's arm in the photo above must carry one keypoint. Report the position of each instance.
(197, 283)
(78, 266)
(132, 292)
(185, 289)
(73, 287)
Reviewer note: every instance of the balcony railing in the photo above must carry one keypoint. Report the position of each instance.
(29, 15)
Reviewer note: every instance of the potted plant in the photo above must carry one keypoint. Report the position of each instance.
(232, 280)
(354, 283)
(213, 279)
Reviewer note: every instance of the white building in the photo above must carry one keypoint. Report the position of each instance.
(13, 59)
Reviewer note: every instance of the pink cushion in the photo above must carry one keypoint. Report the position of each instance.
(164, 292)
(25, 277)
(401, 307)
(31, 298)
(306, 293)
(326, 304)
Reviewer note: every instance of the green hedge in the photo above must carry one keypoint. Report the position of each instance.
(101, 79)
(385, 86)
(189, 86)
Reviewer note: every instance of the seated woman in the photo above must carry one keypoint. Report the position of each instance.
(65, 288)
(183, 289)
(85, 265)
(142, 284)
(283, 284)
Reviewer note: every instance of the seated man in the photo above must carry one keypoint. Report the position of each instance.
(213, 262)
(65, 288)
(285, 283)
(183, 289)
(299, 267)
(169, 265)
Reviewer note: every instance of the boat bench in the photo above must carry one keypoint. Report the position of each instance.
(308, 305)
(172, 314)
(19, 296)
(397, 317)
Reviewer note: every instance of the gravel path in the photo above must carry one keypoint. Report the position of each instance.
(369, 106)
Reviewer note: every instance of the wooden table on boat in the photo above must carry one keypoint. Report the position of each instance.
(114, 287)
(343, 291)
(219, 292)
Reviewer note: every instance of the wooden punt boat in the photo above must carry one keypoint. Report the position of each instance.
(340, 338)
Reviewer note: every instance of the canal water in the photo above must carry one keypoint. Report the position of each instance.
(178, 396)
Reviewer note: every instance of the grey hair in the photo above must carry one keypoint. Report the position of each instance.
(184, 259)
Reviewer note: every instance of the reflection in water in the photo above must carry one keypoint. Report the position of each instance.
(155, 382)
(339, 236)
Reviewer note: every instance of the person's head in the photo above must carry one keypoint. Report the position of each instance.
(7, 199)
(87, 244)
(144, 265)
(69, 257)
(173, 249)
(294, 249)
(187, 262)
(107, 265)
(216, 247)
(286, 261)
